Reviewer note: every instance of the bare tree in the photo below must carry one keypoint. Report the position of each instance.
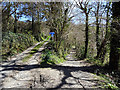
(86, 8)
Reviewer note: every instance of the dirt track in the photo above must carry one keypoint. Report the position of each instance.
(70, 74)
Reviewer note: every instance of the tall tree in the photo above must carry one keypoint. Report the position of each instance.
(97, 27)
(34, 10)
(103, 49)
(115, 37)
(100, 9)
(86, 8)
(11, 14)
(15, 16)
(57, 19)
(6, 13)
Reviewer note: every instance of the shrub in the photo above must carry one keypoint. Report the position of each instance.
(13, 43)
(49, 57)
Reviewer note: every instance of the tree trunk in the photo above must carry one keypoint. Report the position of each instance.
(33, 25)
(102, 49)
(38, 24)
(97, 38)
(97, 30)
(102, 55)
(15, 22)
(115, 37)
(114, 45)
(86, 35)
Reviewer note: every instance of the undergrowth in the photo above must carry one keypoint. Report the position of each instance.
(46, 39)
(110, 78)
(95, 61)
(108, 81)
(35, 49)
(14, 43)
(80, 51)
(50, 57)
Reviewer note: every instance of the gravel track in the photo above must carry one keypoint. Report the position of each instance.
(72, 73)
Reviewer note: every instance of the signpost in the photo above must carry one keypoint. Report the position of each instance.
(52, 34)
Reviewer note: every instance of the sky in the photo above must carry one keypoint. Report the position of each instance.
(80, 18)
(24, 18)
(76, 20)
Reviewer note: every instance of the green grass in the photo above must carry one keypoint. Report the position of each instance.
(25, 59)
(48, 37)
(106, 82)
(38, 46)
(33, 51)
(50, 57)
(95, 61)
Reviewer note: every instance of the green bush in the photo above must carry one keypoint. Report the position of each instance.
(51, 45)
(49, 57)
(13, 43)
(95, 61)
(61, 52)
(109, 82)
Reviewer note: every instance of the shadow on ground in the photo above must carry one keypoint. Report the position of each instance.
(65, 69)
(67, 72)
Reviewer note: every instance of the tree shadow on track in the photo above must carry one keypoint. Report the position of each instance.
(67, 73)
(65, 69)
(19, 67)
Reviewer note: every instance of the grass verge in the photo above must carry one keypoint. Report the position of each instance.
(33, 51)
(108, 79)
(107, 82)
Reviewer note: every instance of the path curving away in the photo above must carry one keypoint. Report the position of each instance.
(72, 73)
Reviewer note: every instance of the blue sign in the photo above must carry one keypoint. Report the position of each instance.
(52, 34)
